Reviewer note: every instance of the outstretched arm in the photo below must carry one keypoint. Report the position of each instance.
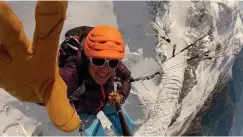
(28, 70)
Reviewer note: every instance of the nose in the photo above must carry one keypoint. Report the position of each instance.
(105, 68)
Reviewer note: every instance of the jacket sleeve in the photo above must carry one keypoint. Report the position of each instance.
(70, 77)
(125, 76)
(69, 74)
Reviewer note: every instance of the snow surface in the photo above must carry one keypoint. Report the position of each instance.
(208, 72)
(154, 105)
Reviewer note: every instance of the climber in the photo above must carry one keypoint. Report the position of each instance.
(30, 73)
(89, 61)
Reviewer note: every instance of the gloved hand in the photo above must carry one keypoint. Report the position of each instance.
(116, 97)
(28, 70)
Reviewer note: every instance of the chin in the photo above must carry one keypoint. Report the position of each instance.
(101, 80)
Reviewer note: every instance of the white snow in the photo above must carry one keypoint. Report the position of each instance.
(207, 72)
(154, 105)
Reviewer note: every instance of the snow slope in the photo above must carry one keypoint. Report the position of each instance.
(165, 105)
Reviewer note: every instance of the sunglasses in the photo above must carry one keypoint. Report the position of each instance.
(99, 62)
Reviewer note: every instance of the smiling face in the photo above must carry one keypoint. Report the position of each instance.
(101, 74)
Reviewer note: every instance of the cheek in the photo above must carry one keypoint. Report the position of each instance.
(111, 71)
(94, 69)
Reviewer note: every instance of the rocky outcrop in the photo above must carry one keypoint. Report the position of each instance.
(216, 115)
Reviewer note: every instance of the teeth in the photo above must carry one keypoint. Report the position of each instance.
(102, 74)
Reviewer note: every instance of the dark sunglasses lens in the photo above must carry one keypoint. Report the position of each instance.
(113, 63)
(98, 62)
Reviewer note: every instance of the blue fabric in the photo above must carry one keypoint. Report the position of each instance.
(93, 126)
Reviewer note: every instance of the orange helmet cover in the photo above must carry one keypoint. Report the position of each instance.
(104, 41)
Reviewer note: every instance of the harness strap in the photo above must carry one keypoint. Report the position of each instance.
(102, 101)
(103, 92)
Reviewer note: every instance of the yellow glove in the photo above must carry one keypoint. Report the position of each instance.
(115, 97)
(29, 71)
